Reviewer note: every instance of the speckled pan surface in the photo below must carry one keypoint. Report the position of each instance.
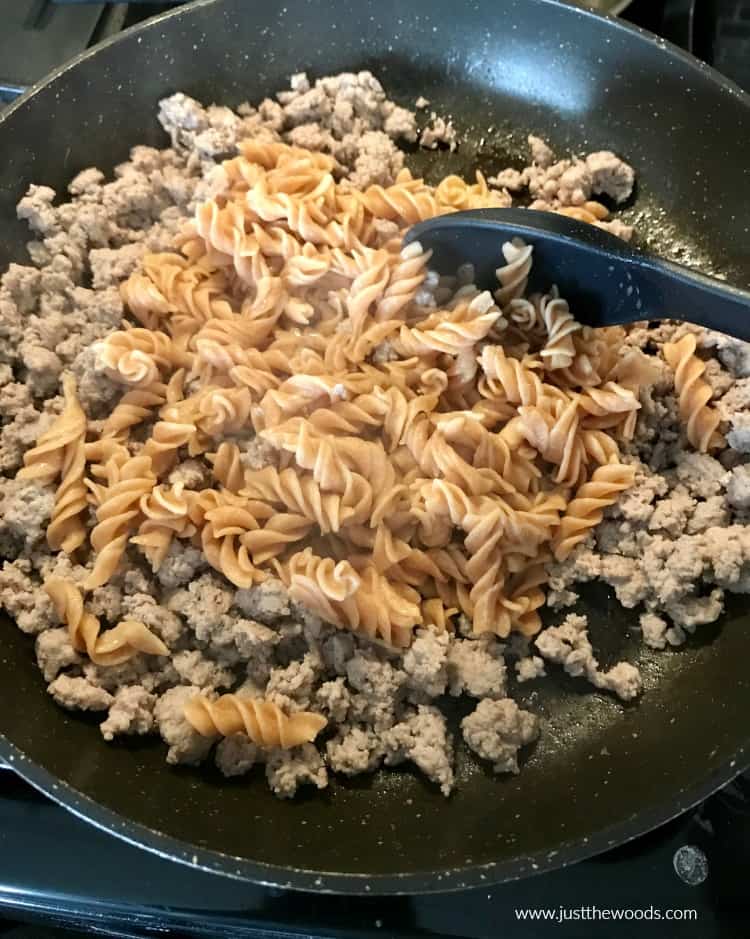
(498, 65)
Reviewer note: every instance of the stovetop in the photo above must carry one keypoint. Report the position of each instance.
(60, 871)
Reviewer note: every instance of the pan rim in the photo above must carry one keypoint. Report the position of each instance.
(450, 880)
(687, 58)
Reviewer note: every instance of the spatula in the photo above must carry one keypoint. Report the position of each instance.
(605, 281)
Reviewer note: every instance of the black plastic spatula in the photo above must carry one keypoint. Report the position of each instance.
(605, 281)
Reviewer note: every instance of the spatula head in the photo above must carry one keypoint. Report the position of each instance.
(588, 264)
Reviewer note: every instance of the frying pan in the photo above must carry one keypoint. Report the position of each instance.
(602, 772)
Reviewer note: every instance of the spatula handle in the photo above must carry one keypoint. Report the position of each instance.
(680, 293)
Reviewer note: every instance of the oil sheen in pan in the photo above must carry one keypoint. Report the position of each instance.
(494, 147)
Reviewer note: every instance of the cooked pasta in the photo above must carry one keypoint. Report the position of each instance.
(67, 531)
(363, 601)
(166, 515)
(117, 514)
(701, 420)
(136, 356)
(112, 647)
(44, 462)
(396, 411)
(262, 721)
(586, 509)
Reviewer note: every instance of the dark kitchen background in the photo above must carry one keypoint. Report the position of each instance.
(58, 873)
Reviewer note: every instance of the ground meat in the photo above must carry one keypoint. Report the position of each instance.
(734, 354)
(610, 176)
(185, 744)
(377, 162)
(131, 712)
(332, 699)
(425, 662)
(42, 369)
(529, 668)
(674, 543)
(739, 436)
(508, 179)
(476, 667)
(195, 669)
(637, 503)
(701, 474)
(96, 392)
(54, 652)
(688, 612)
(37, 210)
(138, 670)
(253, 640)
(568, 645)
(438, 131)
(738, 487)
(180, 566)
(24, 600)
(380, 688)
(623, 679)
(423, 738)
(671, 514)
(78, 694)
(287, 770)
(709, 514)
(202, 604)
(256, 453)
(355, 750)
(266, 603)
(654, 629)
(192, 475)
(163, 622)
(541, 154)
(236, 755)
(26, 509)
(295, 682)
(496, 731)
(106, 603)
(337, 650)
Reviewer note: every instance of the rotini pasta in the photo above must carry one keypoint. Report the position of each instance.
(66, 530)
(262, 721)
(404, 422)
(701, 420)
(585, 511)
(112, 647)
(365, 601)
(44, 462)
(117, 514)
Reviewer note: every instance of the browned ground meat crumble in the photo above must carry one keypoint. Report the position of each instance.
(671, 547)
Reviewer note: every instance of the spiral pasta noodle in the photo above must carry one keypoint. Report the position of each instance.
(397, 446)
(43, 463)
(166, 515)
(364, 602)
(262, 721)
(586, 509)
(66, 530)
(701, 421)
(136, 356)
(112, 647)
(117, 515)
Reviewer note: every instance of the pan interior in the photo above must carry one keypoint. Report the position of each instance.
(584, 84)
(579, 774)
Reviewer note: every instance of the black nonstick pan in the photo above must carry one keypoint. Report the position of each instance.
(602, 773)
